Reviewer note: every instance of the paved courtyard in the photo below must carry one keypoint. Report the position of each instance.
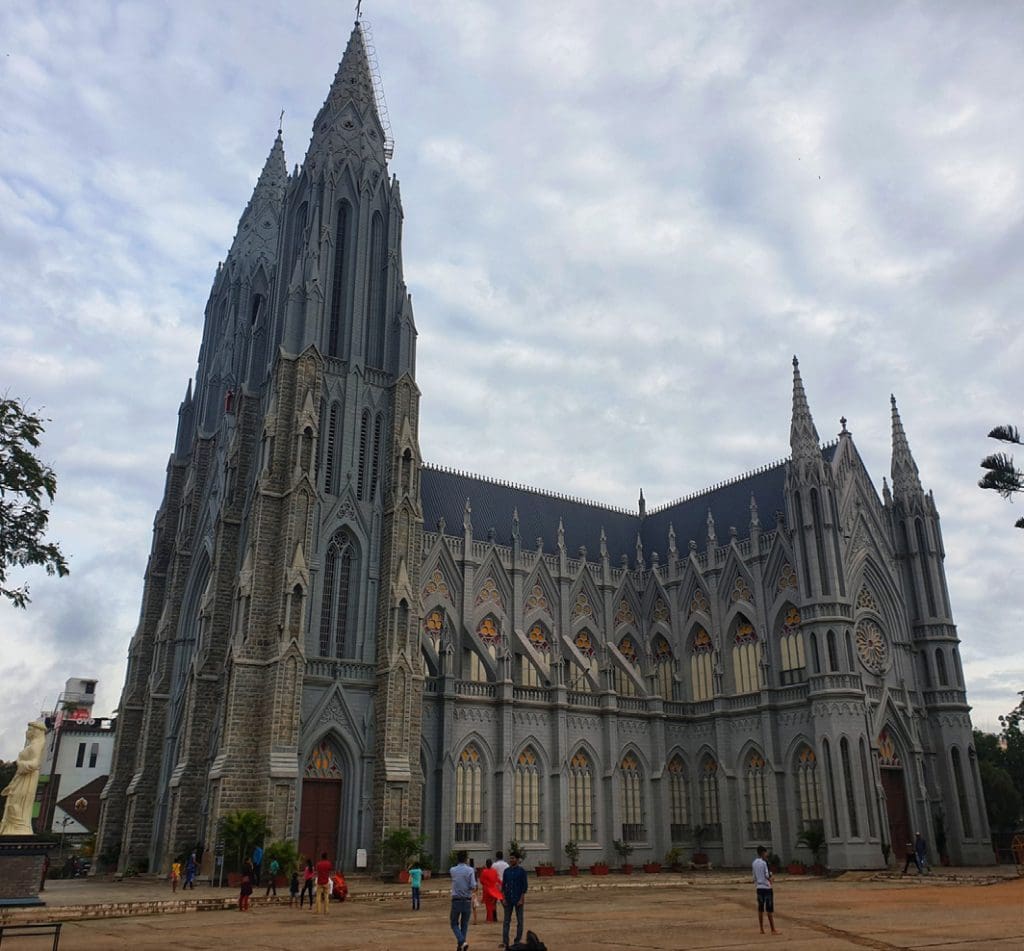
(964, 911)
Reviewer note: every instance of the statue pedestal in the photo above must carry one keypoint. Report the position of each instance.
(21, 869)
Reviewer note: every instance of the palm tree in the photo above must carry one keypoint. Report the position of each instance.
(1003, 476)
(242, 831)
(813, 839)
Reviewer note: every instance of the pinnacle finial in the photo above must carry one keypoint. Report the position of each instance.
(905, 477)
(803, 437)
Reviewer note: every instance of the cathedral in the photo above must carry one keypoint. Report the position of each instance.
(350, 640)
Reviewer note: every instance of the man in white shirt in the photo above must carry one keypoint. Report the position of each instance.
(499, 864)
(765, 895)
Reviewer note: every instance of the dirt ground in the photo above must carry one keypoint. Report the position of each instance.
(818, 914)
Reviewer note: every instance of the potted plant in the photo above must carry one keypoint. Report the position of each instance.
(398, 848)
(814, 840)
(600, 867)
(700, 857)
(774, 862)
(796, 867)
(674, 858)
(241, 831)
(572, 851)
(544, 869)
(652, 868)
(624, 848)
(514, 848)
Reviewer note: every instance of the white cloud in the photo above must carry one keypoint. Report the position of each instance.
(615, 235)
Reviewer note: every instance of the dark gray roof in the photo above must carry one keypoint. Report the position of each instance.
(445, 493)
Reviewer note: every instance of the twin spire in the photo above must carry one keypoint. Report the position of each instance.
(805, 446)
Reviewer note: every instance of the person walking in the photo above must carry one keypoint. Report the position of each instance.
(476, 892)
(191, 867)
(323, 883)
(308, 880)
(415, 881)
(463, 885)
(275, 868)
(490, 886)
(765, 893)
(257, 864)
(175, 875)
(500, 865)
(244, 893)
(920, 853)
(911, 857)
(293, 887)
(513, 888)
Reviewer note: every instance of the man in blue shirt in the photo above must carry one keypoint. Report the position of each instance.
(257, 862)
(463, 886)
(513, 887)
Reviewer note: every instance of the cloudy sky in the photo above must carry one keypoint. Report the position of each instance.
(621, 222)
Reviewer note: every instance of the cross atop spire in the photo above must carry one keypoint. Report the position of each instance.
(274, 177)
(905, 478)
(803, 437)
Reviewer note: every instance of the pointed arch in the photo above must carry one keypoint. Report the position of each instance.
(376, 322)
(535, 667)
(581, 791)
(678, 798)
(586, 605)
(792, 661)
(664, 663)
(702, 650)
(527, 811)
(710, 813)
(629, 651)
(807, 778)
(340, 283)
(539, 597)
(339, 601)
(630, 775)
(470, 790)
(756, 788)
(584, 674)
(745, 656)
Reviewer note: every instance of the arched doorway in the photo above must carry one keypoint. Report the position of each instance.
(320, 817)
(895, 788)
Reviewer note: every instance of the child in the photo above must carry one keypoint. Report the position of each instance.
(415, 880)
(293, 888)
(243, 895)
(476, 891)
(175, 875)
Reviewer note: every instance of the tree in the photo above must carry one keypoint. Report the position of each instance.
(1001, 765)
(24, 482)
(242, 831)
(1003, 476)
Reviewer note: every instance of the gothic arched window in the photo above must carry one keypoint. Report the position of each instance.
(793, 664)
(679, 800)
(746, 670)
(624, 685)
(526, 795)
(757, 798)
(489, 633)
(364, 440)
(339, 285)
(338, 608)
(709, 814)
(375, 318)
(940, 667)
(631, 799)
(469, 795)
(808, 788)
(541, 643)
(700, 665)
(584, 642)
(378, 448)
(581, 798)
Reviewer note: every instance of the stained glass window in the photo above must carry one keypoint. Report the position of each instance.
(700, 665)
(679, 804)
(745, 657)
(631, 799)
(757, 798)
(808, 788)
(581, 798)
(527, 797)
(793, 665)
(469, 794)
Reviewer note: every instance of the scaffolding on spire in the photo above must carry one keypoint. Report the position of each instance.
(378, 88)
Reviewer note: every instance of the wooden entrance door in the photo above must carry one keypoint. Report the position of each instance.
(320, 818)
(896, 807)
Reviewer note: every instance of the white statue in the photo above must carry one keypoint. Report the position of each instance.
(20, 792)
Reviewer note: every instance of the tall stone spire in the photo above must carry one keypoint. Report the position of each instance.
(274, 178)
(350, 110)
(803, 437)
(905, 478)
